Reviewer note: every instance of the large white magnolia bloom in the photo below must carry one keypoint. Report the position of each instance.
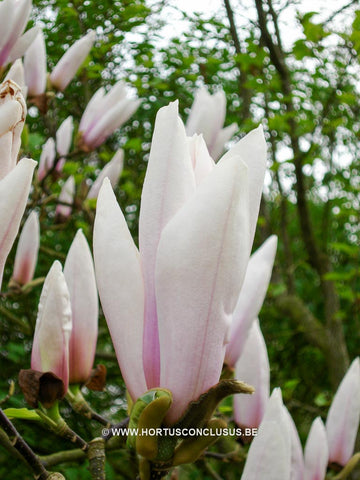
(169, 305)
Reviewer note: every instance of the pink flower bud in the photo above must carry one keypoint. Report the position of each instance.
(14, 191)
(12, 119)
(47, 158)
(104, 114)
(50, 351)
(342, 422)
(27, 250)
(80, 278)
(207, 116)
(71, 61)
(66, 196)
(35, 66)
(112, 170)
(14, 15)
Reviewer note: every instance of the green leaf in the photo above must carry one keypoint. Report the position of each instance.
(23, 413)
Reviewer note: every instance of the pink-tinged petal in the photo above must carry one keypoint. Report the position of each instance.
(112, 170)
(201, 262)
(27, 250)
(169, 182)
(343, 418)
(50, 351)
(64, 136)
(252, 150)
(200, 158)
(116, 94)
(269, 455)
(253, 368)
(251, 298)
(21, 13)
(35, 66)
(207, 116)
(71, 61)
(14, 191)
(80, 278)
(22, 44)
(6, 25)
(109, 121)
(13, 19)
(224, 135)
(17, 75)
(297, 458)
(66, 197)
(316, 452)
(90, 112)
(47, 158)
(120, 283)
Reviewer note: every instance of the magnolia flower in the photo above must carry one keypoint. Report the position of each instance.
(253, 368)
(17, 75)
(50, 351)
(66, 196)
(12, 118)
(35, 66)
(64, 136)
(47, 158)
(14, 15)
(27, 250)
(112, 170)
(14, 191)
(70, 62)
(168, 310)
(316, 452)
(104, 114)
(269, 455)
(207, 116)
(80, 278)
(343, 418)
(251, 297)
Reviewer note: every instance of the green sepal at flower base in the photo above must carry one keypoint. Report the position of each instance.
(148, 412)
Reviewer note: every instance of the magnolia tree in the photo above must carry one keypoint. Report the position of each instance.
(182, 307)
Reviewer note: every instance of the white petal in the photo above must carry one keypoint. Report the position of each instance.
(316, 452)
(50, 352)
(251, 298)
(253, 368)
(343, 418)
(112, 170)
(23, 44)
(252, 150)
(14, 191)
(269, 454)
(64, 136)
(201, 262)
(169, 183)
(121, 290)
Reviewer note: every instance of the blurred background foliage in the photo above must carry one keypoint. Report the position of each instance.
(305, 93)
